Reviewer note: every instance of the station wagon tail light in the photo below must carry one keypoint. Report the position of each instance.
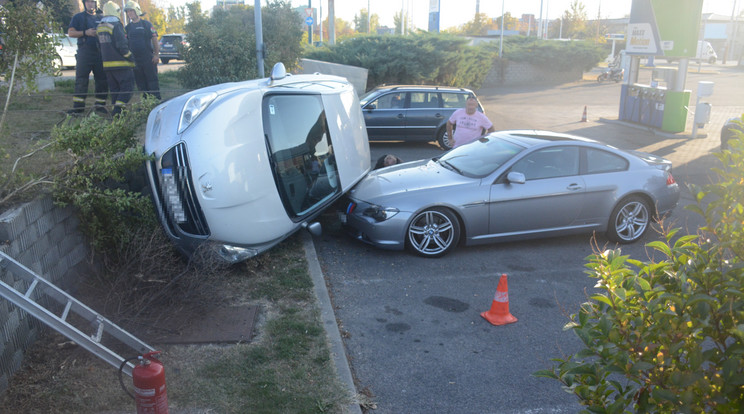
(380, 213)
(195, 106)
(670, 179)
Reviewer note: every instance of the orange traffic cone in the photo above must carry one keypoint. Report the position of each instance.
(583, 117)
(499, 312)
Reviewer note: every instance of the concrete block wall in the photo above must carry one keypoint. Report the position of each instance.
(45, 239)
(520, 73)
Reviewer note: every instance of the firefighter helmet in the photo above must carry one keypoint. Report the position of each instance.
(133, 5)
(111, 9)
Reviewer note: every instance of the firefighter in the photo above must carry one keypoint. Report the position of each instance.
(83, 28)
(118, 61)
(143, 42)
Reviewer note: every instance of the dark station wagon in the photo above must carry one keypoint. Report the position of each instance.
(412, 113)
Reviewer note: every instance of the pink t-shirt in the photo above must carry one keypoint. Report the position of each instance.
(469, 127)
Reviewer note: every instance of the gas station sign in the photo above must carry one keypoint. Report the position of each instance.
(664, 27)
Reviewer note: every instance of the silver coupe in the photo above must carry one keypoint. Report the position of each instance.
(511, 185)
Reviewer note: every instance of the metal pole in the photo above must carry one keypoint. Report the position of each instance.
(331, 22)
(259, 37)
(320, 21)
(539, 24)
(501, 41)
(730, 43)
(547, 21)
(310, 26)
(402, 5)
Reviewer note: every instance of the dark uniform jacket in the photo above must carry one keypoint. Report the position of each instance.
(114, 45)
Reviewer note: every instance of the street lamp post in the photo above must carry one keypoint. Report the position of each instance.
(501, 41)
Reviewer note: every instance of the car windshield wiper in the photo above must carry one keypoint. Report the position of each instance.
(449, 166)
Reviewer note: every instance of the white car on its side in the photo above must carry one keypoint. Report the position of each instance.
(244, 165)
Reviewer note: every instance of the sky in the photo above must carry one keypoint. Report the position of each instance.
(456, 12)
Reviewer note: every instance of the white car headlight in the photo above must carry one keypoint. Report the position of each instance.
(194, 107)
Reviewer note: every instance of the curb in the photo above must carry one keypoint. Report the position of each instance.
(653, 130)
(328, 318)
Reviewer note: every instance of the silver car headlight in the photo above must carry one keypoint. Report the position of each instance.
(380, 213)
(194, 107)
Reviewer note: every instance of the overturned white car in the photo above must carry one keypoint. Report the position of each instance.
(244, 165)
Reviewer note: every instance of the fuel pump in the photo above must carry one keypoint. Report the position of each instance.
(702, 109)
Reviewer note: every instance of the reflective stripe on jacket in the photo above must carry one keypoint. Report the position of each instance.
(114, 46)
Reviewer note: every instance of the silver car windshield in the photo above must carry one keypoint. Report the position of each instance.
(481, 157)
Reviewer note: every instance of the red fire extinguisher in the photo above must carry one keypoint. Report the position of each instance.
(149, 385)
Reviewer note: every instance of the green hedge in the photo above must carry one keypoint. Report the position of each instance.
(445, 59)
(415, 59)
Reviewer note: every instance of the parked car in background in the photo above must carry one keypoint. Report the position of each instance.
(171, 47)
(66, 51)
(703, 53)
(511, 185)
(731, 130)
(412, 113)
(243, 165)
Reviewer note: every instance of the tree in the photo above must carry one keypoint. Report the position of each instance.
(343, 28)
(402, 21)
(477, 27)
(29, 51)
(61, 14)
(223, 46)
(360, 22)
(510, 22)
(175, 22)
(154, 15)
(573, 22)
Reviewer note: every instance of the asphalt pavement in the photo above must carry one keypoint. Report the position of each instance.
(413, 337)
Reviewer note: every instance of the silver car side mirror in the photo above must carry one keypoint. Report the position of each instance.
(314, 228)
(515, 177)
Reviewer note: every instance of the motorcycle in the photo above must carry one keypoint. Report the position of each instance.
(611, 74)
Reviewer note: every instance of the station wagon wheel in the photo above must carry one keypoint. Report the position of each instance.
(443, 139)
(433, 232)
(629, 220)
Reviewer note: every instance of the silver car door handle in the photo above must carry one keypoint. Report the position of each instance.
(400, 115)
(574, 187)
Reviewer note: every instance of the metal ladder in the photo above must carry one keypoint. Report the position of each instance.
(40, 287)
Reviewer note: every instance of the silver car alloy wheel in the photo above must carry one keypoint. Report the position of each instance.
(631, 220)
(433, 232)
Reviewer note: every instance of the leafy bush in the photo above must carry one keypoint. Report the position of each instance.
(416, 59)
(102, 157)
(551, 54)
(445, 59)
(223, 46)
(669, 335)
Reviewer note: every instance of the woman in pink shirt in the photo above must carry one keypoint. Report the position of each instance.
(470, 124)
